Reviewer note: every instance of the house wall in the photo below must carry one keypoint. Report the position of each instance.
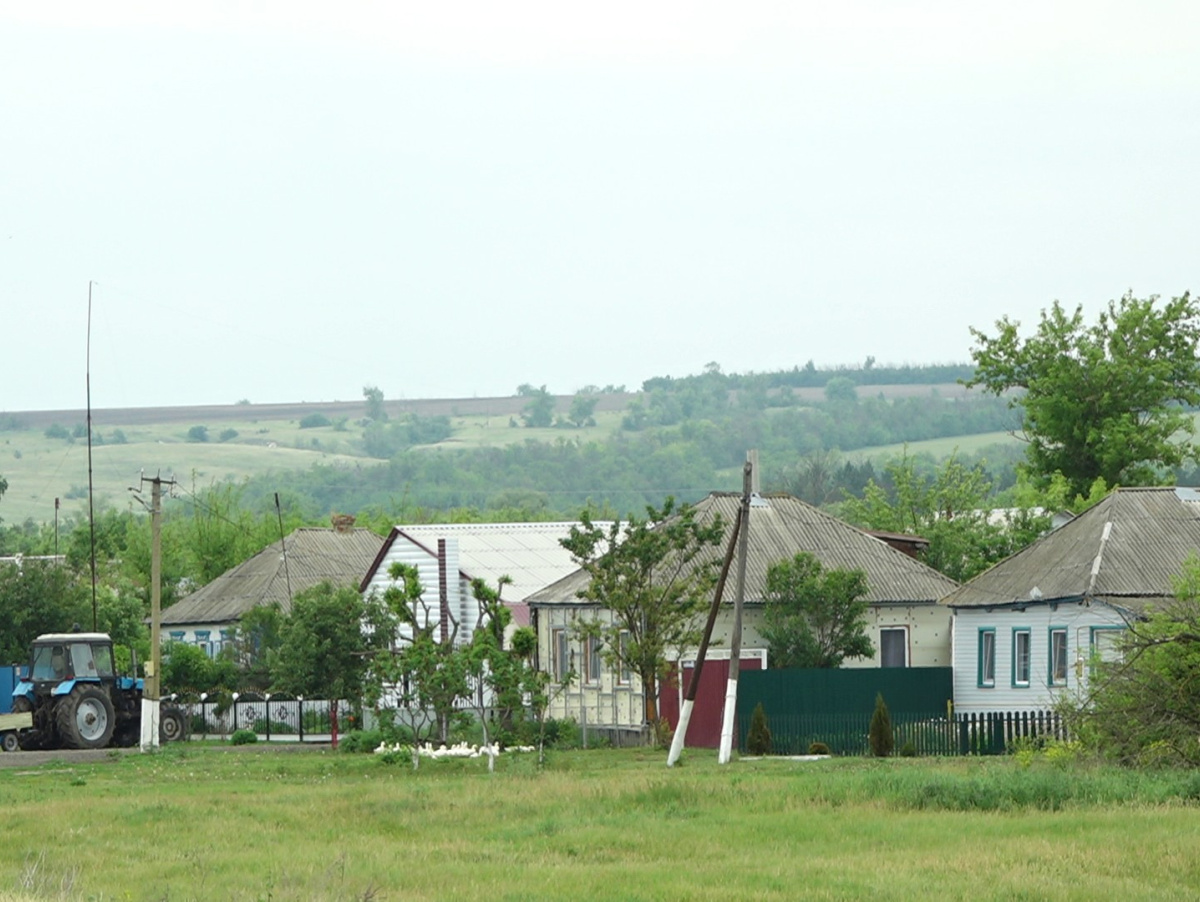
(1086, 626)
(612, 701)
(212, 637)
(463, 604)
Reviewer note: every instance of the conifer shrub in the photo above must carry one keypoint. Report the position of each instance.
(758, 737)
(818, 748)
(908, 750)
(880, 734)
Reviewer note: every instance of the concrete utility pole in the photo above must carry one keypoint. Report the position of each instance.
(735, 640)
(152, 694)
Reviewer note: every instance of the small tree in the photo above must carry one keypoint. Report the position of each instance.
(539, 408)
(373, 395)
(880, 734)
(583, 405)
(758, 737)
(815, 617)
(653, 576)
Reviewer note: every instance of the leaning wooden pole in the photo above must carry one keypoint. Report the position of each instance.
(735, 641)
(689, 696)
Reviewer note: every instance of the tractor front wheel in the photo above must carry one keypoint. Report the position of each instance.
(85, 718)
(10, 742)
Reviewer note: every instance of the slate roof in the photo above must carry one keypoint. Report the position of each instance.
(313, 555)
(1127, 549)
(530, 553)
(781, 526)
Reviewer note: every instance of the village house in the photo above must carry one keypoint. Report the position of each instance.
(907, 626)
(307, 557)
(1026, 630)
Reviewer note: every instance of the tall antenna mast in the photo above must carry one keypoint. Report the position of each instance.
(91, 508)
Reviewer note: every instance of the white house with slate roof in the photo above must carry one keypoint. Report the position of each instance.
(1025, 630)
(528, 553)
(906, 624)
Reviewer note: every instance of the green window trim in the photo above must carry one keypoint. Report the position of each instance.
(1017, 681)
(1051, 678)
(982, 679)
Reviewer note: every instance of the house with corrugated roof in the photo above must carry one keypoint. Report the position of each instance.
(309, 556)
(449, 556)
(907, 626)
(1025, 630)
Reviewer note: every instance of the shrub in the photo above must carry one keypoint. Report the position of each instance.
(818, 748)
(315, 421)
(275, 726)
(358, 741)
(243, 737)
(758, 737)
(228, 434)
(198, 434)
(908, 750)
(880, 733)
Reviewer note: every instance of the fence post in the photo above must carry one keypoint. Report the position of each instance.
(267, 708)
(235, 721)
(300, 715)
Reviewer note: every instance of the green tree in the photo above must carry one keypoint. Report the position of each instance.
(813, 617)
(38, 597)
(949, 507)
(879, 735)
(198, 434)
(1102, 401)
(327, 643)
(653, 576)
(841, 388)
(374, 399)
(583, 406)
(538, 411)
(1145, 707)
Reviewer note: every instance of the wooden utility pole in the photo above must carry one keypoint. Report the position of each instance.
(689, 697)
(152, 688)
(735, 640)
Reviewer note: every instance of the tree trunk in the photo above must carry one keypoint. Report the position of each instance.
(651, 705)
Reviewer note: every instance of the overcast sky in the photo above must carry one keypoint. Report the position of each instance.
(283, 202)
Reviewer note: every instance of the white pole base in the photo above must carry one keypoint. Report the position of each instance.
(149, 738)
(681, 728)
(727, 722)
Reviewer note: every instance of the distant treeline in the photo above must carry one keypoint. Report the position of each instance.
(812, 376)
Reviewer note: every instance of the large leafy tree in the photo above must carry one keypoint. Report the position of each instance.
(327, 642)
(653, 575)
(950, 507)
(814, 617)
(38, 597)
(1145, 707)
(1105, 400)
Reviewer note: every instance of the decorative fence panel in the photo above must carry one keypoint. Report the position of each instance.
(270, 717)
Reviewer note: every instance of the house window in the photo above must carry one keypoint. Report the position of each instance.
(1021, 656)
(177, 635)
(560, 653)
(1106, 643)
(593, 659)
(893, 646)
(1058, 656)
(987, 657)
(624, 674)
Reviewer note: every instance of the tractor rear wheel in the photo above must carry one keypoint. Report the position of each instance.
(170, 725)
(85, 718)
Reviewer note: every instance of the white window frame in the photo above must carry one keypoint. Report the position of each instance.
(1022, 668)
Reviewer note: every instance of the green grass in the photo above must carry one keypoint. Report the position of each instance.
(258, 823)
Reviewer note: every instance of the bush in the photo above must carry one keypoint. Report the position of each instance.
(818, 748)
(228, 434)
(880, 734)
(908, 750)
(198, 434)
(315, 421)
(243, 737)
(758, 737)
(359, 741)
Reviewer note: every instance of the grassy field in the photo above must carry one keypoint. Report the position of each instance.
(220, 823)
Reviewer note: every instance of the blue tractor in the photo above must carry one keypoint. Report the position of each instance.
(77, 699)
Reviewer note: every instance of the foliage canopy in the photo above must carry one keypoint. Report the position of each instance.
(1101, 401)
(814, 617)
